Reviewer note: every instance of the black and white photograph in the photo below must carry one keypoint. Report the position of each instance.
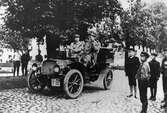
(83, 56)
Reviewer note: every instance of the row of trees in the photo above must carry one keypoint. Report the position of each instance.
(58, 20)
(145, 25)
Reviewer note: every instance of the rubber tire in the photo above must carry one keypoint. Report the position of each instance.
(65, 84)
(104, 79)
(31, 89)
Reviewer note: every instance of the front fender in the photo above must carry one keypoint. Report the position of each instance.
(79, 66)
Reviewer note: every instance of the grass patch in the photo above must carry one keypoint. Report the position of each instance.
(12, 82)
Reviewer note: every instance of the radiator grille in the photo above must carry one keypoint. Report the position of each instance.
(48, 68)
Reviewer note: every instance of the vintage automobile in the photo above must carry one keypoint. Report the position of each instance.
(60, 71)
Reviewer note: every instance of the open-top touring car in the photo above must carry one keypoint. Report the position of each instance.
(70, 74)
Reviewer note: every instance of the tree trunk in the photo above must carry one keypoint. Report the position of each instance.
(150, 50)
(143, 47)
(133, 46)
(126, 54)
(47, 45)
(83, 28)
(52, 42)
(146, 49)
(157, 47)
(127, 46)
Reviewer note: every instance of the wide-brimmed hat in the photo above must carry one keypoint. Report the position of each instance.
(144, 54)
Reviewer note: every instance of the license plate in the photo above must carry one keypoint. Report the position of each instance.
(55, 82)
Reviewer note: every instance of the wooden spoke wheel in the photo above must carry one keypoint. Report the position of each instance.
(108, 78)
(34, 84)
(73, 83)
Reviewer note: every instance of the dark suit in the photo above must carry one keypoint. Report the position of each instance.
(164, 78)
(25, 58)
(155, 74)
(131, 67)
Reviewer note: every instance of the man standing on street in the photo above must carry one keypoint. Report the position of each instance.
(155, 74)
(39, 57)
(164, 78)
(16, 63)
(25, 58)
(143, 76)
(131, 68)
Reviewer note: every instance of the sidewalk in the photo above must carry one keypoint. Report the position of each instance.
(6, 74)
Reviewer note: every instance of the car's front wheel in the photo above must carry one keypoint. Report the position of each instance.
(73, 83)
(34, 83)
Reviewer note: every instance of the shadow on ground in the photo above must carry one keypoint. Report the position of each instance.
(59, 92)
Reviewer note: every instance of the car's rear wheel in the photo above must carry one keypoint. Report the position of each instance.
(73, 83)
(34, 83)
(107, 80)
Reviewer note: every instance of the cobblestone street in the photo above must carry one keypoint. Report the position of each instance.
(93, 100)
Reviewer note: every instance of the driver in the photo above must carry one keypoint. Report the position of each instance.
(76, 46)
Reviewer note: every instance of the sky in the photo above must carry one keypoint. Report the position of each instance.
(125, 3)
(2, 11)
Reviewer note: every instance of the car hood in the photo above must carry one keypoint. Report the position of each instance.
(48, 65)
(63, 63)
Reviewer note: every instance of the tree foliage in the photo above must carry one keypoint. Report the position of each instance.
(60, 19)
(36, 17)
(57, 19)
(160, 22)
(136, 24)
(142, 24)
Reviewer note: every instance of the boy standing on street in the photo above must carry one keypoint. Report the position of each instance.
(164, 78)
(143, 76)
(131, 68)
(155, 74)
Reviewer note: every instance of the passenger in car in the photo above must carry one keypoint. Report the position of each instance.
(90, 50)
(76, 46)
(96, 47)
